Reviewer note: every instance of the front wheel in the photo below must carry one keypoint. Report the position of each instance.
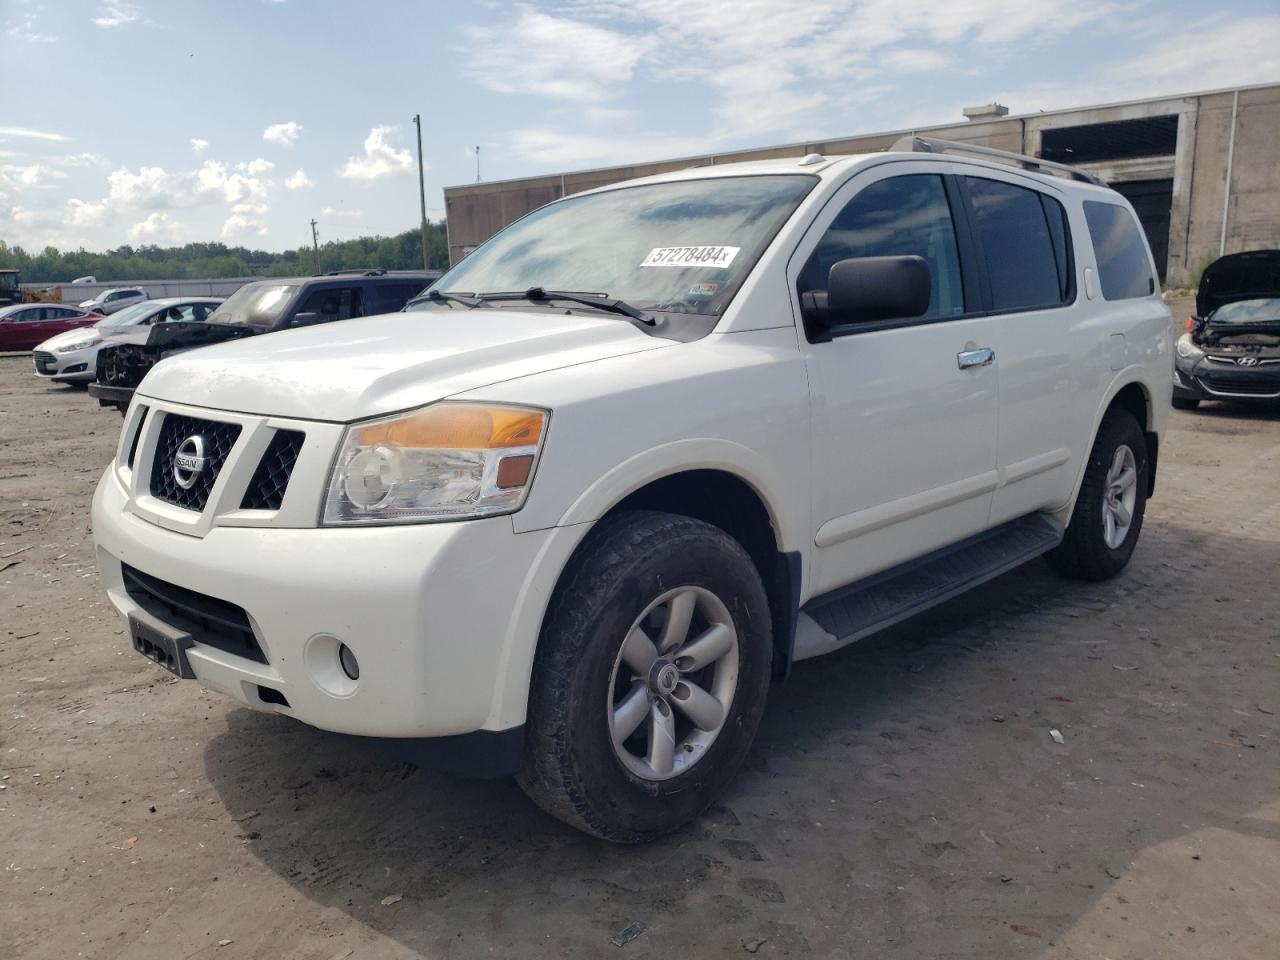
(650, 678)
(1107, 520)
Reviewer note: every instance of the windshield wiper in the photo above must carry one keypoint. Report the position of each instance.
(599, 301)
(440, 296)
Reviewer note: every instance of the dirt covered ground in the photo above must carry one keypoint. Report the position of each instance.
(905, 799)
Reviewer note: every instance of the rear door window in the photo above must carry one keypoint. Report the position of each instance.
(1024, 243)
(1118, 245)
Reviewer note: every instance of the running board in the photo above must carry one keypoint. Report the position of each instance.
(881, 600)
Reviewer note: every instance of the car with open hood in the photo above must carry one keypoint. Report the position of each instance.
(573, 512)
(1231, 350)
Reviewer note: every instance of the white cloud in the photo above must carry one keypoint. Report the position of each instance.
(353, 213)
(33, 134)
(256, 168)
(772, 68)
(116, 14)
(198, 145)
(553, 57)
(380, 158)
(31, 175)
(157, 228)
(22, 215)
(564, 149)
(26, 27)
(243, 223)
(1209, 54)
(284, 134)
(83, 214)
(298, 181)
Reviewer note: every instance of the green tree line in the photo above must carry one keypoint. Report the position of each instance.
(213, 260)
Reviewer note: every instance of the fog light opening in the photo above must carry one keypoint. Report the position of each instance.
(350, 665)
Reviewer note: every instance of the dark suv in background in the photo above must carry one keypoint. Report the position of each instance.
(264, 306)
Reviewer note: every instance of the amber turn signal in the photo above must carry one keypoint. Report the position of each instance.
(458, 426)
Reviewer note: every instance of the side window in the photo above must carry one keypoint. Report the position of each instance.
(1123, 265)
(334, 303)
(900, 216)
(1024, 241)
(390, 297)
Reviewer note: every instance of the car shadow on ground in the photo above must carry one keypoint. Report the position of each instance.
(904, 796)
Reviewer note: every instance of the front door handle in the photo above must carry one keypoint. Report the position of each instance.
(982, 357)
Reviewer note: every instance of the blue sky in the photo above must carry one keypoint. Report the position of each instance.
(240, 120)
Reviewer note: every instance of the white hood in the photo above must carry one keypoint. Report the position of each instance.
(67, 337)
(355, 369)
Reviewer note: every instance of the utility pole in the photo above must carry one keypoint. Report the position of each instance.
(315, 245)
(422, 189)
(477, 163)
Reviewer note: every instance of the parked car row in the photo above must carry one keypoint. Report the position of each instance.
(119, 341)
(265, 306)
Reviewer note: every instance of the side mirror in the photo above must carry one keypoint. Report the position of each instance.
(306, 319)
(863, 289)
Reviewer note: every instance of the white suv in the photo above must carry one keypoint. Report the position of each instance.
(109, 301)
(639, 453)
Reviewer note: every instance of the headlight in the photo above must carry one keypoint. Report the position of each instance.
(1188, 350)
(78, 345)
(447, 461)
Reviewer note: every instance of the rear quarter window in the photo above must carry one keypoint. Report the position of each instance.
(1124, 268)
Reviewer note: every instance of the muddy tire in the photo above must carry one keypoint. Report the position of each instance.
(650, 677)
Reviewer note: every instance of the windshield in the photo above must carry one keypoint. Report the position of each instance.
(683, 246)
(1266, 310)
(255, 304)
(129, 315)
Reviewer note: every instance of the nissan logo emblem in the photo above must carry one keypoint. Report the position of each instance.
(189, 461)
(1247, 361)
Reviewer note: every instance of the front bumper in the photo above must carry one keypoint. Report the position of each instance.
(74, 367)
(443, 618)
(1209, 379)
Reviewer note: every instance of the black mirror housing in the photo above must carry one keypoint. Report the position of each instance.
(306, 319)
(864, 289)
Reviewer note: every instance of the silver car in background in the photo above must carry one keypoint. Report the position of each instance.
(115, 300)
(71, 357)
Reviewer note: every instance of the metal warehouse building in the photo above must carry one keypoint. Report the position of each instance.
(1202, 170)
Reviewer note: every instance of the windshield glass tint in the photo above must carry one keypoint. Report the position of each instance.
(129, 315)
(684, 246)
(1266, 310)
(255, 304)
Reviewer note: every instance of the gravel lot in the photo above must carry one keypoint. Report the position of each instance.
(905, 799)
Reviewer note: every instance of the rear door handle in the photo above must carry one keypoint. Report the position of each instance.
(982, 357)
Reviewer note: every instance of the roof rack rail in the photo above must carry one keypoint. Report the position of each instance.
(357, 272)
(912, 144)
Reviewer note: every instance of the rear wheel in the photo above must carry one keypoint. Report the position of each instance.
(1108, 516)
(1186, 403)
(650, 678)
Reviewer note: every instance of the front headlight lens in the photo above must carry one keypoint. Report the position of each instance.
(78, 345)
(448, 461)
(1188, 350)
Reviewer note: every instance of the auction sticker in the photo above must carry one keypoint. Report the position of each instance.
(719, 257)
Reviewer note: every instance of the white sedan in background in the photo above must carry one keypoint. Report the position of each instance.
(72, 357)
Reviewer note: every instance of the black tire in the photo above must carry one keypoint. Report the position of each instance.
(1084, 553)
(1186, 403)
(571, 768)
